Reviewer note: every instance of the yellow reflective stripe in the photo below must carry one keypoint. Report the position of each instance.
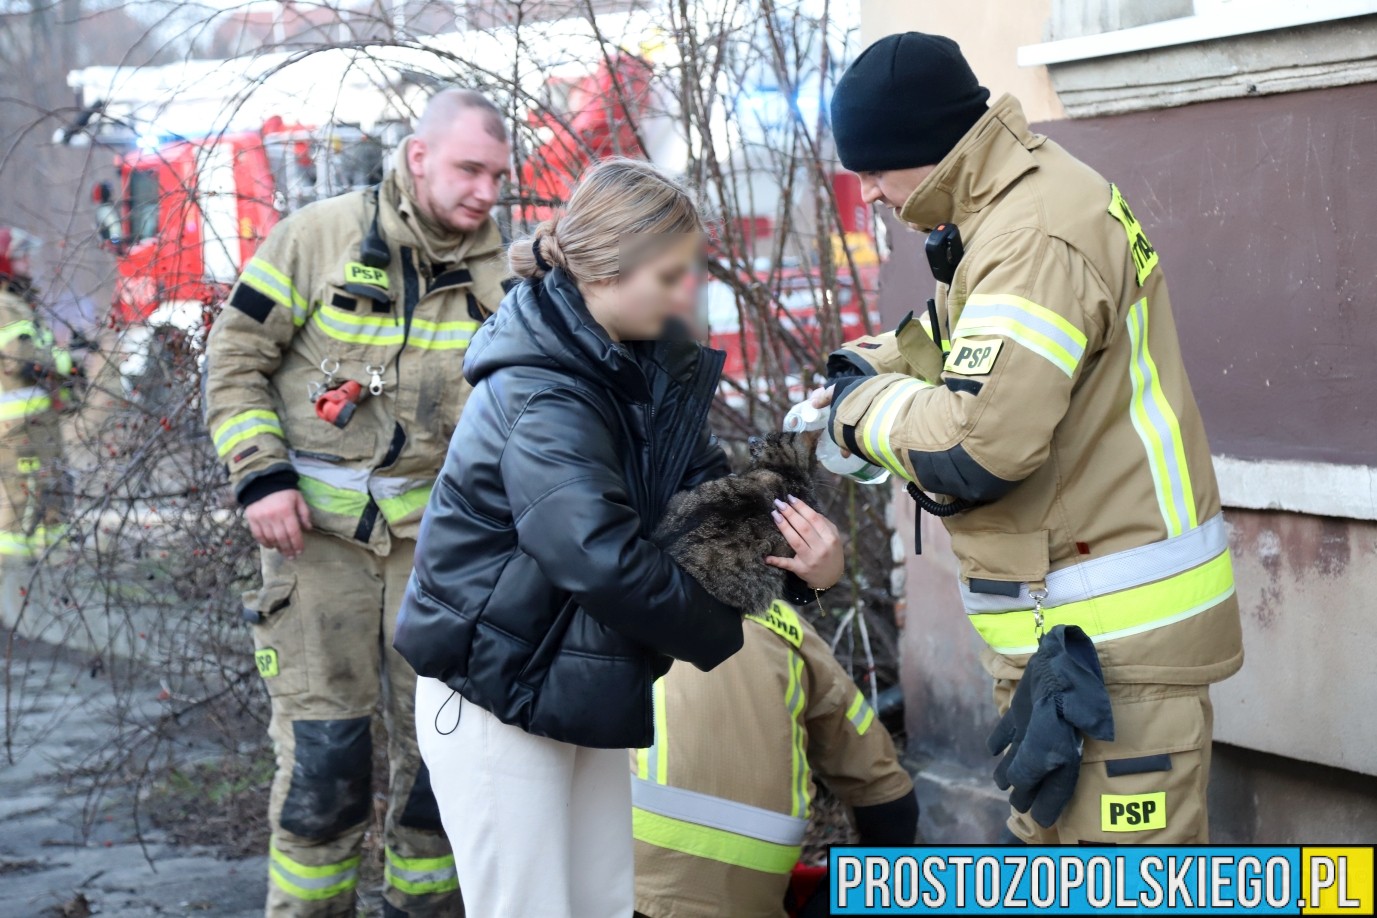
(242, 426)
(421, 876)
(62, 361)
(875, 432)
(398, 508)
(355, 329)
(1035, 327)
(377, 331)
(327, 498)
(713, 844)
(661, 746)
(16, 329)
(21, 403)
(441, 336)
(795, 700)
(15, 545)
(310, 883)
(276, 286)
(44, 536)
(1159, 429)
(861, 714)
(1128, 612)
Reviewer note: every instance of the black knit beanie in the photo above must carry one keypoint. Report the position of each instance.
(905, 102)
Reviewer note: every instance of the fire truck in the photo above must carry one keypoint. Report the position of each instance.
(209, 155)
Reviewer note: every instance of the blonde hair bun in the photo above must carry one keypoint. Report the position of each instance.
(614, 199)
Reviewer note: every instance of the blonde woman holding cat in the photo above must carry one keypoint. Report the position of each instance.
(540, 613)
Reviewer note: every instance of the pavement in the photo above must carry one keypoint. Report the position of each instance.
(50, 865)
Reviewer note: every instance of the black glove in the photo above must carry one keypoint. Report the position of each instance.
(1060, 696)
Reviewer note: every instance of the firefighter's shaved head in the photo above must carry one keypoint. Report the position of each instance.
(458, 158)
(448, 105)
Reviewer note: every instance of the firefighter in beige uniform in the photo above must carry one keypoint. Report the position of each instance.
(33, 374)
(722, 799)
(1061, 422)
(334, 384)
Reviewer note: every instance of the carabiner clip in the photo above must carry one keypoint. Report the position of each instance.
(375, 380)
(1038, 622)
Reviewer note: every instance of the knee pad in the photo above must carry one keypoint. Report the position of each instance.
(332, 777)
(421, 810)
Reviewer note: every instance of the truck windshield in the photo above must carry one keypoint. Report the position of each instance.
(143, 205)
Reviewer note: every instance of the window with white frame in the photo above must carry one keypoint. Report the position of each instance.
(1138, 25)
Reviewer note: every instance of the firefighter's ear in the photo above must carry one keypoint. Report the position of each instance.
(416, 156)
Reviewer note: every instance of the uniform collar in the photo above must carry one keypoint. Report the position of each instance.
(993, 155)
(403, 220)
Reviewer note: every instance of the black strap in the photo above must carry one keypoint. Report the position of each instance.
(936, 328)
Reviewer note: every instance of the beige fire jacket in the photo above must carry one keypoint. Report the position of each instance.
(1062, 413)
(309, 313)
(33, 369)
(721, 801)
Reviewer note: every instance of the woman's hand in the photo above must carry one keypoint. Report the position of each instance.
(817, 546)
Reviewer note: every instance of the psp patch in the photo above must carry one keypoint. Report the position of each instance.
(356, 273)
(973, 358)
(266, 661)
(1133, 812)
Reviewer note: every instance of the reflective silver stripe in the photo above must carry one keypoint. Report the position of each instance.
(266, 420)
(325, 882)
(1159, 429)
(717, 813)
(423, 335)
(22, 395)
(422, 876)
(384, 488)
(380, 333)
(266, 279)
(333, 474)
(1112, 573)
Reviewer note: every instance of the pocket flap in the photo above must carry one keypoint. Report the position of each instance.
(270, 597)
(1149, 728)
(1007, 557)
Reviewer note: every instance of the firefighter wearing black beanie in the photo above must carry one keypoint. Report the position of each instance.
(905, 102)
(1007, 396)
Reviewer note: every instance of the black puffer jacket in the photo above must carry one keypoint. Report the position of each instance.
(536, 593)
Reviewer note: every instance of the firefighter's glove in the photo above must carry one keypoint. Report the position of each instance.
(1061, 695)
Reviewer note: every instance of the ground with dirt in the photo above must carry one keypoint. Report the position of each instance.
(68, 853)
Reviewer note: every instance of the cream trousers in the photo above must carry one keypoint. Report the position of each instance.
(540, 828)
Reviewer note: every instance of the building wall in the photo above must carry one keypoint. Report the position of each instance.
(986, 32)
(1261, 211)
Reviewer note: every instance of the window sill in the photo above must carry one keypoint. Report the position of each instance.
(1189, 30)
(1205, 58)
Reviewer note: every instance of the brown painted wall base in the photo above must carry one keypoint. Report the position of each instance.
(1309, 697)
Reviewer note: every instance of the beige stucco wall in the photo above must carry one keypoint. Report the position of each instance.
(989, 32)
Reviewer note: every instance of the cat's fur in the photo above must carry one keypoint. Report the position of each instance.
(721, 531)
